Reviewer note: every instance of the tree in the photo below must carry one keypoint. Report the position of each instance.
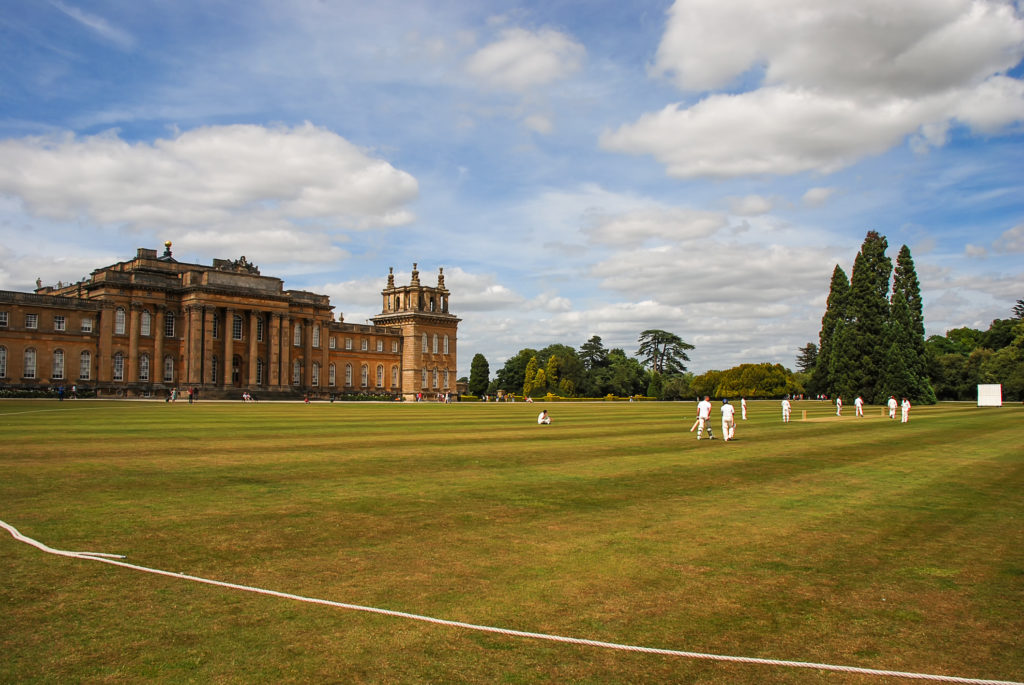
(808, 357)
(663, 352)
(593, 354)
(625, 375)
(906, 336)
(479, 375)
(833, 319)
(512, 375)
(529, 377)
(1018, 310)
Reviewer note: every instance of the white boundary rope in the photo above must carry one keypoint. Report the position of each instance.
(112, 559)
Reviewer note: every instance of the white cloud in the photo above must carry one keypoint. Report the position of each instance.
(975, 250)
(919, 65)
(817, 197)
(1011, 240)
(223, 176)
(751, 205)
(661, 223)
(521, 60)
(99, 25)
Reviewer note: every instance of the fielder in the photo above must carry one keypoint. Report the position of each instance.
(905, 411)
(892, 406)
(858, 405)
(728, 421)
(839, 406)
(703, 417)
(743, 407)
(786, 408)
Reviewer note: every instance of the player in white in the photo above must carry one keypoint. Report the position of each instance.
(543, 418)
(728, 421)
(858, 405)
(743, 407)
(704, 417)
(905, 411)
(839, 406)
(892, 406)
(786, 408)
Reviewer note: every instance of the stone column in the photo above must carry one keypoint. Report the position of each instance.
(156, 370)
(325, 357)
(229, 347)
(106, 342)
(274, 350)
(253, 350)
(207, 374)
(307, 362)
(286, 355)
(195, 344)
(132, 372)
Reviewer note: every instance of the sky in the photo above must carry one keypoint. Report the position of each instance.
(576, 168)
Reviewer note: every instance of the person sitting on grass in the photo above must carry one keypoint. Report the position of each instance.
(543, 418)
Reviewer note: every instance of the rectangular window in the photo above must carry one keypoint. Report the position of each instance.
(3, 362)
(85, 365)
(3, 319)
(58, 365)
(144, 367)
(87, 325)
(316, 337)
(333, 344)
(259, 327)
(348, 343)
(236, 328)
(169, 325)
(30, 363)
(380, 345)
(145, 324)
(168, 369)
(394, 346)
(59, 323)
(118, 367)
(364, 345)
(216, 326)
(297, 335)
(31, 321)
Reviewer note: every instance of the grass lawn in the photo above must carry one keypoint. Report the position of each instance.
(857, 542)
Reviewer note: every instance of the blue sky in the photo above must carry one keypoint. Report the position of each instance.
(577, 168)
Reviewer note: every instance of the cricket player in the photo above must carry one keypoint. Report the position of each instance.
(786, 408)
(892, 406)
(858, 405)
(704, 417)
(743, 407)
(839, 406)
(728, 421)
(905, 411)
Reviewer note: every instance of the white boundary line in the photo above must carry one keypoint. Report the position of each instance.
(112, 559)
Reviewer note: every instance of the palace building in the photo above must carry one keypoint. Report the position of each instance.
(145, 326)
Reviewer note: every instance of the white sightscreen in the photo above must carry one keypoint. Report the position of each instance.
(990, 395)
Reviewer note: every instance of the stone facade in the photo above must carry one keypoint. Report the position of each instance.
(144, 326)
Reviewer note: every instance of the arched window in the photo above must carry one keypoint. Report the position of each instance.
(259, 372)
(30, 363)
(446, 344)
(331, 376)
(435, 343)
(236, 327)
(316, 336)
(118, 366)
(315, 380)
(119, 321)
(85, 365)
(297, 334)
(58, 365)
(144, 367)
(145, 323)
(169, 325)
(296, 372)
(424, 343)
(168, 369)
(365, 375)
(394, 376)
(348, 374)
(380, 375)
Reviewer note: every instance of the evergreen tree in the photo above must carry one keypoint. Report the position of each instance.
(1018, 310)
(663, 352)
(835, 314)
(808, 357)
(860, 351)
(655, 387)
(479, 373)
(907, 317)
(530, 376)
(593, 354)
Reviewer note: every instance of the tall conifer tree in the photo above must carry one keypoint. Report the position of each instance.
(835, 315)
(907, 318)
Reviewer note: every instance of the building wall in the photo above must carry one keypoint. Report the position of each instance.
(151, 324)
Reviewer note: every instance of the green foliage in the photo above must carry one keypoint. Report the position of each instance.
(748, 380)
(808, 357)
(663, 352)
(512, 376)
(593, 354)
(479, 375)
(831, 322)
(860, 353)
(529, 377)
(655, 386)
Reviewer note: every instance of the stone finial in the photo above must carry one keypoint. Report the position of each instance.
(415, 275)
(167, 248)
(391, 277)
(440, 277)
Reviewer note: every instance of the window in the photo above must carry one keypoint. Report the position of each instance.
(435, 343)
(380, 345)
(168, 369)
(146, 324)
(119, 321)
(364, 344)
(332, 374)
(380, 375)
(259, 372)
(144, 367)
(348, 374)
(435, 379)
(446, 344)
(365, 375)
(424, 343)
(315, 381)
(432, 305)
(59, 323)
(118, 366)
(424, 379)
(30, 363)
(316, 336)
(394, 376)
(169, 325)
(3, 362)
(213, 369)
(236, 327)
(348, 343)
(332, 343)
(58, 365)
(394, 346)
(85, 365)
(3, 319)
(31, 321)
(216, 325)
(259, 327)
(297, 334)
(296, 372)
(87, 325)
(446, 378)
